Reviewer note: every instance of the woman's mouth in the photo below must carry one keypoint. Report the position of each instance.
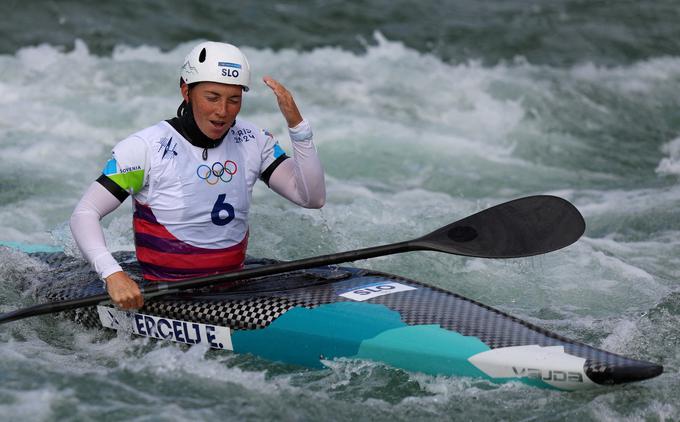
(218, 124)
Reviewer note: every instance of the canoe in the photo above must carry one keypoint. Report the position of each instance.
(312, 316)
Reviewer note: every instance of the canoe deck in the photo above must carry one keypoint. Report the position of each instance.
(307, 316)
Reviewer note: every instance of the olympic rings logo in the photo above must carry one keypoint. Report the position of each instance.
(218, 171)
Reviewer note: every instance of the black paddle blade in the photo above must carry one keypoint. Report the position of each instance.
(523, 227)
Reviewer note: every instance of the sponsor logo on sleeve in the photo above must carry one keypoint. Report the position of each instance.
(372, 290)
(161, 328)
(111, 168)
(129, 169)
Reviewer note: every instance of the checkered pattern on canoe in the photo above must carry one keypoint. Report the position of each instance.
(247, 313)
(237, 311)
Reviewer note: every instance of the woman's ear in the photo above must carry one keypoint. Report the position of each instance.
(185, 92)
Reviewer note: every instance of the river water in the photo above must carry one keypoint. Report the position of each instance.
(423, 114)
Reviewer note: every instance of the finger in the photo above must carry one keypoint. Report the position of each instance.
(286, 102)
(128, 305)
(270, 82)
(136, 298)
(139, 302)
(122, 304)
(278, 89)
(124, 300)
(130, 301)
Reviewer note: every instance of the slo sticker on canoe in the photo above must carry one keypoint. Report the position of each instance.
(369, 291)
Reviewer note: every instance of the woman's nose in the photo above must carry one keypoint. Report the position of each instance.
(222, 109)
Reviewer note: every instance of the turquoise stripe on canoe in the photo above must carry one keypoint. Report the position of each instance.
(28, 248)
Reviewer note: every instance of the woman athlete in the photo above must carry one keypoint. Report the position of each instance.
(191, 178)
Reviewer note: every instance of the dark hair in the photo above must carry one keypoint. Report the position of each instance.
(191, 85)
(182, 109)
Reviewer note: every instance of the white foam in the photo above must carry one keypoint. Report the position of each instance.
(171, 361)
(459, 123)
(34, 405)
(623, 333)
(671, 164)
(638, 78)
(606, 409)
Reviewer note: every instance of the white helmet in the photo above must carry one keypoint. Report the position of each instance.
(216, 62)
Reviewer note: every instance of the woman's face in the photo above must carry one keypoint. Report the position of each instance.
(215, 106)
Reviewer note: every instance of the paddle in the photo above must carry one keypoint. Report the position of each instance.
(523, 227)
